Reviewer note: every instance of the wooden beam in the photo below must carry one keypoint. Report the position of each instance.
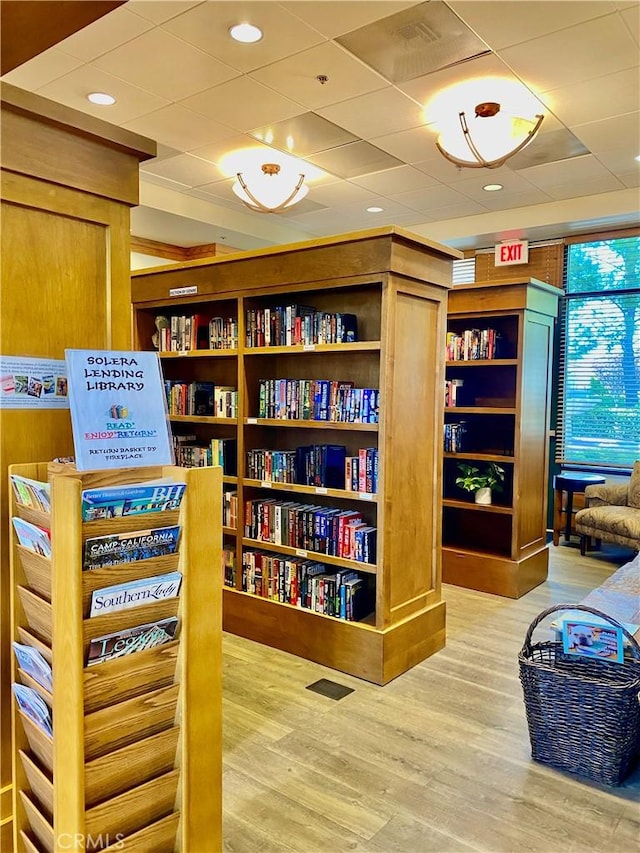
(30, 26)
(179, 253)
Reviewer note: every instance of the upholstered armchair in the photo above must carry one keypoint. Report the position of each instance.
(611, 513)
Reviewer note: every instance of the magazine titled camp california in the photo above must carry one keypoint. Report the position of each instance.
(117, 548)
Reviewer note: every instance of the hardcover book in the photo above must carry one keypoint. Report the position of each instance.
(132, 640)
(31, 536)
(124, 596)
(134, 499)
(126, 547)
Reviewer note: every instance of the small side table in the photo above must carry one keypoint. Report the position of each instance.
(569, 482)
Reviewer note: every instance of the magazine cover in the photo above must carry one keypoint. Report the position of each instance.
(123, 596)
(33, 707)
(31, 493)
(132, 640)
(134, 499)
(31, 661)
(586, 639)
(32, 537)
(126, 547)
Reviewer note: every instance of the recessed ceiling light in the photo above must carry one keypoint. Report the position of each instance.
(492, 188)
(245, 33)
(101, 98)
(638, 158)
(375, 209)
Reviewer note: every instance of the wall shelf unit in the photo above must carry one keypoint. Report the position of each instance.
(395, 283)
(503, 405)
(135, 761)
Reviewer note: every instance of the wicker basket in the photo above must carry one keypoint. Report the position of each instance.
(583, 713)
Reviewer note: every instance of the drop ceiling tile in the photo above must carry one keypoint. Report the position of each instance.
(207, 27)
(179, 128)
(474, 180)
(549, 148)
(630, 179)
(507, 22)
(412, 146)
(159, 11)
(164, 151)
(304, 134)
(342, 193)
(295, 76)
(217, 192)
(243, 104)
(622, 160)
(393, 181)
(414, 42)
(42, 69)
(321, 14)
(357, 158)
(608, 134)
(631, 17)
(510, 200)
(455, 211)
(590, 100)
(549, 175)
(73, 88)
(165, 65)
(114, 29)
(582, 52)
(577, 189)
(160, 181)
(215, 151)
(431, 197)
(185, 168)
(376, 113)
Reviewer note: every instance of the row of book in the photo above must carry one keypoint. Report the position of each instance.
(324, 530)
(343, 594)
(219, 451)
(455, 437)
(291, 325)
(320, 465)
(201, 398)
(196, 331)
(229, 567)
(230, 509)
(318, 400)
(472, 344)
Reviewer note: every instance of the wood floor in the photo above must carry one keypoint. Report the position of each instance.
(438, 760)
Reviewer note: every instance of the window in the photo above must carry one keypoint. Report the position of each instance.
(599, 382)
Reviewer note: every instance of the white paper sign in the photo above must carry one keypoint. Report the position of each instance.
(33, 383)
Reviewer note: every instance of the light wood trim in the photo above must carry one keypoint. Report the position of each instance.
(40, 743)
(201, 419)
(41, 784)
(180, 253)
(41, 827)
(199, 353)
(349, 427)
(37, 571)
(200, 663)
(295, 488)
(29, 846)
(356, 346)
(159, 837)
(594, 236)
(366, 568)
(134, 809)
(38, 613)
(68, 743)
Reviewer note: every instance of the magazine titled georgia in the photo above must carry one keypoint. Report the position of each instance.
(126, 547)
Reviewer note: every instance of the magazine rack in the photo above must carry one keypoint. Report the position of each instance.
(135, 760)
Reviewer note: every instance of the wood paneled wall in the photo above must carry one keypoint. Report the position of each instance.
(545, 264)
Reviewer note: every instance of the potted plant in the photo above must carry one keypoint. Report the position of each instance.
(480, 483)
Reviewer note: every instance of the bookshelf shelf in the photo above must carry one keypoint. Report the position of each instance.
(500, 548)
(199, 353)
(393, 286)
(126, 760)
(344, 494)
(202, 419)
(229, 530)
(357, 346)
(289, 424)
(316, 556)
(361, 625)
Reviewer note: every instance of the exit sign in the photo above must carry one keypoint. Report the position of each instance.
(512, 252)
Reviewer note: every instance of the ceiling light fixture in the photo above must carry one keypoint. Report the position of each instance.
(493, 137)
(271, 189)
(375, 209)
(492, 188)
(101, 98)
(245, 33)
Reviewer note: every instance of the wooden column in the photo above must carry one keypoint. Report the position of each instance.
(67, 182)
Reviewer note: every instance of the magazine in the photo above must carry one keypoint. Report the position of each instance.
(126, 547)
(34, 538)
(31, 493)
(132, 640)
(592, 639)
(123, 596)
(133, 499)
(34, 707)
(31, 661)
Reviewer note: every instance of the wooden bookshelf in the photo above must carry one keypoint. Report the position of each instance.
(505, 402)
(396, 283)
(135, 761)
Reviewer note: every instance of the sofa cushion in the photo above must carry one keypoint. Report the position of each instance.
(619, 522)
(633, 498)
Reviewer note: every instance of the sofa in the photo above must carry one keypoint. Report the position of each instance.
(611, 514)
